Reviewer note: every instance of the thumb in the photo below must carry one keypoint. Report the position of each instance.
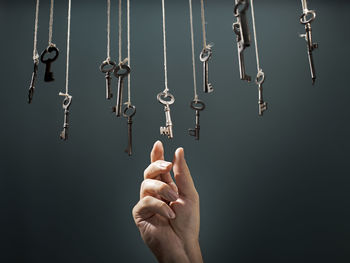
(182, 175)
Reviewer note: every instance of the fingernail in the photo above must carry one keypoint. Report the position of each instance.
(164, 165)
(172, 195)
(171, 214)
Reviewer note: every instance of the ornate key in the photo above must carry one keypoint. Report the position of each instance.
(241, 29)
(66, 104)
(108, 67)
(32, 83)
(48, 74)
(306, 19)
(162, 98)
(259, 81)
(121, 71)
(129, 113)
(204, 57)
(198, 106)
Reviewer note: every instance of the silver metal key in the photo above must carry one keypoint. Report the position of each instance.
(168, 129)
(121, 71)
(204, 57)
(66, 104)
(108, 67)
(129, 112)
(198, 106)
(259, 81)
(32, 83)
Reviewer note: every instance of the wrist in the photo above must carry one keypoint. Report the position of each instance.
(193, 252)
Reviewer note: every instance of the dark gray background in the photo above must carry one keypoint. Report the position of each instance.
(272, 188)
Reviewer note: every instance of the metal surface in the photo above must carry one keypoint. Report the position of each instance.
(48, 74)
(198, 106)
(121, 71)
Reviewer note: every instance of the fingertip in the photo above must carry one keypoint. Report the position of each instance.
(180, 153)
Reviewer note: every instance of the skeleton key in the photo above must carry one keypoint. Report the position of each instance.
(48, 74)
(204, 57)
(32, 83)
(168, 129)
(121, 71)
(241, 29)
(129, 113)
(66, 104)
(108, 67)
(306, 19)
(259, 81)
(198, 106)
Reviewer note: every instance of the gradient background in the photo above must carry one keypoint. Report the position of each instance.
(273, 188)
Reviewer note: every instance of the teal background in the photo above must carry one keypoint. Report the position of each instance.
(273, 188)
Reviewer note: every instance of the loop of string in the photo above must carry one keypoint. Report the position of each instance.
(68, 45)
(193, 60)
(108, 30)
(165, 51)
(255, 39)
(203, 25)
(128, 25)
(51, 22)
(35, 50)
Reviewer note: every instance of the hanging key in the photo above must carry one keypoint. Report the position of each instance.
(32, 83)
(48, 74)
(166, 99)
(108, 67)
(198, 106)
(129, 112)
(306, 19)
(241, 29)
(66, 104)
(204, 57)
(259, 81)
(121, 71)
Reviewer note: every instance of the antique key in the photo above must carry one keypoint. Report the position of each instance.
(32, 83)
(66, 104)
(198, 106)
(168, 129)
(108, 67)
(121, 71)
(306, 19)
(259, 81)
(204, 57)
(241, 29)
(129, 113)
(48, 74)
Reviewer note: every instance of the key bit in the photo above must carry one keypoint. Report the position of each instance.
(66, 104)
(48, 74)
(198, 106)
(204, 57)
(121, 71)
(108, 67)
(162, 98)
(32, 83)
(129, 112)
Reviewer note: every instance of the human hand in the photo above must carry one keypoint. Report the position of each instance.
(167, 214)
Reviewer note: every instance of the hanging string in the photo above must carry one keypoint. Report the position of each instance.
(304, 4)
(164, 49)
(203, 25)
(68, 45)
(108, 30)
(51, 22)
(129, 77)
(255, 39)
(35, 50)
(120, 31)
(193, 60)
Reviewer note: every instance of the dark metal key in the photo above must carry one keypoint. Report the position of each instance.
(204, 57)
(241, 29)
(198, 106)
(129, 113)
(166, 99)
(32, 83)
(48, 74)
(108, 67)
(66, 104)
(121, 71)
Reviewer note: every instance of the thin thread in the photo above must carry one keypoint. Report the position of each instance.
(193, 60)
(35, 50)
(165, 51)
(120, 31)
(203, 25)
(128, 25)
(304, 4)
(51, 22)
(68, 44)
(255, 39)
(108, 30)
